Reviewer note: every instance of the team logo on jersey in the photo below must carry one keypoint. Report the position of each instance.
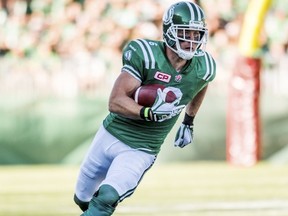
(128, 55)
(178, 78)
(162, 76)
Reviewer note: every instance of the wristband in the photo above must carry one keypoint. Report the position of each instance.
(145, 113)
(188, 120)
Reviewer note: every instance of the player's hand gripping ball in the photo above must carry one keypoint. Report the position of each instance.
(145, 95)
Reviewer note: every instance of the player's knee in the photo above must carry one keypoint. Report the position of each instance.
(83, 205)
(108, 195)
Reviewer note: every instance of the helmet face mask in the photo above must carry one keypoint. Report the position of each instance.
(184, 29)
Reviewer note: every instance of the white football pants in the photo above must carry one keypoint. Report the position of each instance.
(110, 161)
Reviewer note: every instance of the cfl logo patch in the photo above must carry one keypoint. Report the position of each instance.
(178, 78)
(162, 76)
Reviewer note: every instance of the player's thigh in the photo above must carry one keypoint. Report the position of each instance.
(94, 166)
(127, 170)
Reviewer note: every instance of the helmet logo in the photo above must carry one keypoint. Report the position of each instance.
(167, 18)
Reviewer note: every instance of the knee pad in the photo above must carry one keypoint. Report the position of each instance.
(83, 205)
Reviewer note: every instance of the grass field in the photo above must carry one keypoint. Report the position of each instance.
(202, 189)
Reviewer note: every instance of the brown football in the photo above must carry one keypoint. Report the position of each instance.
(145, 95)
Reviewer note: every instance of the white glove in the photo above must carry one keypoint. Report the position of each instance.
(162, 110)
(184, 135)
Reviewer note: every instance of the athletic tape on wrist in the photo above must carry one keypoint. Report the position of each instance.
(188, 120)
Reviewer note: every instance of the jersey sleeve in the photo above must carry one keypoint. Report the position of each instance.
(208, 67)
(132, 60)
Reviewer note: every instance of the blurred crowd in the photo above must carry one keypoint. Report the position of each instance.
(70, 47)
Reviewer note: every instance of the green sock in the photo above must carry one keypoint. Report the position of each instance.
(104, 203)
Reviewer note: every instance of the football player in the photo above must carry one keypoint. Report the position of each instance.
(127, 143)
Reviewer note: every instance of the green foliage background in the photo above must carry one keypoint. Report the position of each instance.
(46, 130)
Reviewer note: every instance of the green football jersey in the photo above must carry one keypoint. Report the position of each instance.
(146, 61)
